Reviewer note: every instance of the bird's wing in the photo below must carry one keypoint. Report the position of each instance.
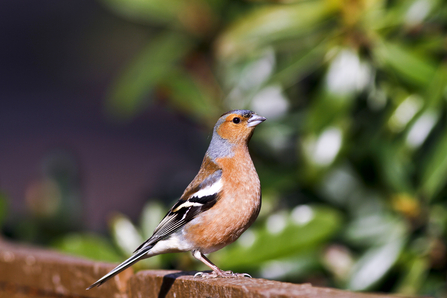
(196, 199)
(201, 194)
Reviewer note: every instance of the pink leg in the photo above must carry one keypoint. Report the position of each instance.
(217, 272)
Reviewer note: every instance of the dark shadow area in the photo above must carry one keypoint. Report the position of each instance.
(55, 127)
(169, 279)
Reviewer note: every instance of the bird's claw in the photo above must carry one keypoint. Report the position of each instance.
(225, 274)
(198, 274)
(231, 274)
(206, 275)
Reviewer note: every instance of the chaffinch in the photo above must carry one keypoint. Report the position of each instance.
(220, 203)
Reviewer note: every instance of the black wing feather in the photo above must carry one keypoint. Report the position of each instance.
(177, 218)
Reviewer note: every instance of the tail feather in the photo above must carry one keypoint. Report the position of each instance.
(127, 263)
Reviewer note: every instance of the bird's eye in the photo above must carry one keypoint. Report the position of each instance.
(236, 120)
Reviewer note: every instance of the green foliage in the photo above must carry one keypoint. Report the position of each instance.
(3, 208)
(373, 265)
(126, 237)
(355, 96)
(153, 65)
(435, 170)
(407, 65)
(314, 225)
(90, 246)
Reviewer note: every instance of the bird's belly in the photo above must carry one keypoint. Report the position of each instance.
(214, 230)
(174, 243)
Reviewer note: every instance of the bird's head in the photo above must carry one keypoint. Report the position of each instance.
(237, 126)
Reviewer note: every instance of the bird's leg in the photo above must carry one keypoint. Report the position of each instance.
(217, 272)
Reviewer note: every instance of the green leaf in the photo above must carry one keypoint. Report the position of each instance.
(317, 119)
(161, 11)
(415, 274)
(391, 17)
(128, 237)
(374, 264)
(3, 208)
(86, 245)
(415, 69)
(125, 235)
(270, 24)
(196, 17)
(299, 65)
(303, 229)
(129, 94)
(152, 214)
(394, 166)
(436, 88)
(297, 266)
(374, 229)
(191, 96)
(434, 171)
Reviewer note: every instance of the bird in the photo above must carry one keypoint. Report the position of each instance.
(219, 204)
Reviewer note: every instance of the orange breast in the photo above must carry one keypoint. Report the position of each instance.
(235, 211)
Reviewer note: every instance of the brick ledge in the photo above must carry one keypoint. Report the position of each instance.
(33, 272)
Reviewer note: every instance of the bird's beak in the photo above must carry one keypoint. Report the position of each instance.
(255, 120)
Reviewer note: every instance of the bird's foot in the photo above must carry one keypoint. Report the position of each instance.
(224, 274)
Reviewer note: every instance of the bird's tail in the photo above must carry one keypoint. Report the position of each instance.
(138, 255)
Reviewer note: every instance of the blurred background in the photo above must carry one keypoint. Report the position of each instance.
(107, 107)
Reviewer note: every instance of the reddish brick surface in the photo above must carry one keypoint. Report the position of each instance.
(170, 284)
(45, 273)
(33, 272)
